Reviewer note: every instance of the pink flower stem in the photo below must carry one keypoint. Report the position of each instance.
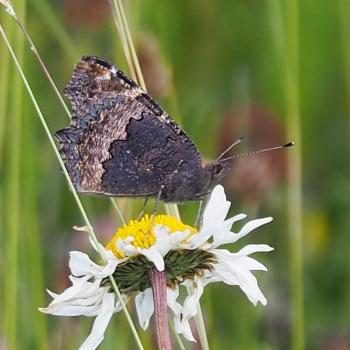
(158, 283)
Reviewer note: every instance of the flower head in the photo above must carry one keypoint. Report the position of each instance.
(190, 258)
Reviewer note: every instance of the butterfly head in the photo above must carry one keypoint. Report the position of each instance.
(211, 175)
(218, 170)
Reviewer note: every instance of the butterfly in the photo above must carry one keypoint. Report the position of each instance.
(120, 143)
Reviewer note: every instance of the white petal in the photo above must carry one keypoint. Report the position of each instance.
(81, 289)
(214, 215)
(78, 287)
(239, 217)
(100, 324)
(251, 264)
(52, 294)
(66, 309)
(255, 248)
(80, 299)
(144, 307)
(224, 274)
(250, 226)
(189, 308)
(125, 247)
(223, 234)
(153, 255)
(162, 239)
(172, 295)
(180, 327)
(177, 238)
(81, 265)
(81, 228)
(184, 329)
(217, 207)
(234, 269)
(249, 285)
(166, 242)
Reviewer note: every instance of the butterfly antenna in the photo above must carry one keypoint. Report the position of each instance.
(228, 149)
(248, 154)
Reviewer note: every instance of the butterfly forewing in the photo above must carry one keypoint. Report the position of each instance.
(120, 142)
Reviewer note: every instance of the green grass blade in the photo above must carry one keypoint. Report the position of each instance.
(12, 200)
(294, 172)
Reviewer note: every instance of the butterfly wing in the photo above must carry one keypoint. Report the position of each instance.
(120, 142)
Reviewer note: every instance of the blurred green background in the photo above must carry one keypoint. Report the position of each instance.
(271, 70)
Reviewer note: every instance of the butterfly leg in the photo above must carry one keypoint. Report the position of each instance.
(142, 212)
(156, 205)
(200, 212)
(157, 200)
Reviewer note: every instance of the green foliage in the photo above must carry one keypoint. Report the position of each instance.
(208, 62)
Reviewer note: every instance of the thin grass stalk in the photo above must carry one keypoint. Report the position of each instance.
(92, 235)
(118, 211)
(177, 337)
(171, 209)
(13, 206)
(117, 21)
(201, 328)
(134, 57)
(294, 197)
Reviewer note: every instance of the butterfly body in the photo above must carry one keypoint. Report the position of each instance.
(121, 143)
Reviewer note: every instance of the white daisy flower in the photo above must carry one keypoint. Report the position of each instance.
(190, 258)
(92, 295)
(87, 296)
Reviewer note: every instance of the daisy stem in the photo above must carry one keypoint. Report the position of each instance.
(75, 195)
(134, 66)
(158, 283)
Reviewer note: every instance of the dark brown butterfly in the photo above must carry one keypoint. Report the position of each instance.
(121, 143)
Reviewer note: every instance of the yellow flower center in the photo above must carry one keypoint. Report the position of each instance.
(142, 232)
